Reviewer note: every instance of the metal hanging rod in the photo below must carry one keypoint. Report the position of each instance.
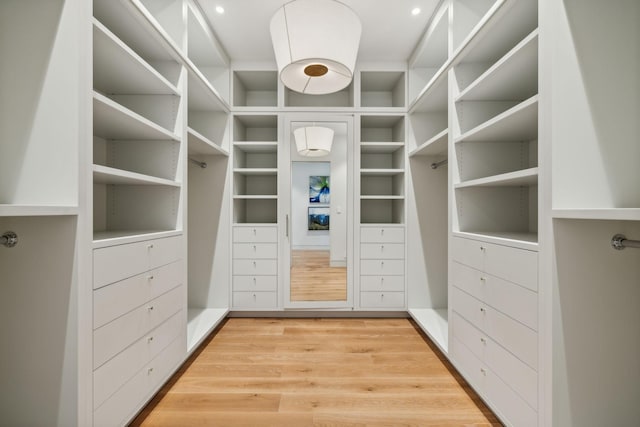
(436, 165)
(198, 162)
(9, 239)
(619, 242)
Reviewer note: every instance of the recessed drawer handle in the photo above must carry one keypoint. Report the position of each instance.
(483, 341)
(150, 308)
(150, 246)
(483, 371)
(483, 279)
(150, 339)
(150, 277)
(149, 371)
(483, 310)
(255, 248)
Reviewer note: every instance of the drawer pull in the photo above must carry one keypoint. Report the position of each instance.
(382, 232)
(150, 277)
(150, 246)
(255, 231)
(483, 310)
(254, 297)
(483, 341)
(381, 248)
(150, 339)
(150, 308)
(255, 281)
(149, 371)
(482, 248)
(255, 248)
(483, 279)
(483, 371)
(255, 264)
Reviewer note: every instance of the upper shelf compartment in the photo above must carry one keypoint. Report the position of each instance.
(255, 88)
(382, 89)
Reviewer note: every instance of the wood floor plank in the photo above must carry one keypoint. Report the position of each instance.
(316, 372)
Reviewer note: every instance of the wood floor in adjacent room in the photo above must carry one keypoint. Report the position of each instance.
(316, 372)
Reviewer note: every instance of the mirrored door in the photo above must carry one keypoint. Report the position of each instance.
(319, 212)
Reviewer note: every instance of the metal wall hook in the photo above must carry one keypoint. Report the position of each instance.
(619, 242)
(9, 239)
(436, 165)
(199, 163)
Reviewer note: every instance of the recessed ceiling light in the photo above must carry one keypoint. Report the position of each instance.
(220, 9)
(416, 11)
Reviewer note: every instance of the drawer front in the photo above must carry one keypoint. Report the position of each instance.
(468, 252)
(515, 265)
(382, 251)
(116, 372)
(255, 234)
(115, 336)
(112, 301)
(513, 408)
(514, 336)
(392, 267)
(382, 234)
(469, 365)
(382, 283)
(124, 404)
(382, 300)
(519, 376)
(256, 267)
(255, 250)
(255, 283)
(115, 263)
(513, 300)
(255, 300)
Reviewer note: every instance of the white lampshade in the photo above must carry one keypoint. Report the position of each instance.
(313, 141)
(316, 45)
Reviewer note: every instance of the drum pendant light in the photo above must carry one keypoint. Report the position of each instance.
(316, 45)
(313, 141)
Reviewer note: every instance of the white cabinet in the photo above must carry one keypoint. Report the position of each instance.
(255, 267)
(382, 267)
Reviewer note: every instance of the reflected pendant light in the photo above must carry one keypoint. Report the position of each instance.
(313, 141)
(316, 45)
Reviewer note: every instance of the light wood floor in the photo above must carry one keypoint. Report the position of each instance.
(313, 279)
(316, 372)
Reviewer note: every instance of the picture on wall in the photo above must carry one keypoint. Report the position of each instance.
(319, 189)
(318, 218)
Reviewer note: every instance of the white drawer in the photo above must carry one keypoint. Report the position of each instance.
(513, 300)
(255, 283)
(381, 234)
(112, 375)
(125, 403)
(492, 388)
(382, 251)
(255, 234)
(513, 264)
(382, 283)
(255, 300)
(256, 267)
(514, 336)
(391, 267)
(112, 301)
(255, 250)
(382, 300)
(115, 336)
(518, 375)
(115, 263)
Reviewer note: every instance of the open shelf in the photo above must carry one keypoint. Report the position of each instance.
(103, 239)
(434, 323)
(513, 77)
(621, 214)
(118, 69)
(522, 240)
(382, 210)
(519, 178)
(199, 144)
(255, 88)
(200, 323)
(382, 89)
(255, 209)
(381, 172)
(37, 210)
(108, 175)
(332, 101)
(202, 95)
(256, 171)
(436, 146)
(113, 121)
(380, 147)
(518, 123)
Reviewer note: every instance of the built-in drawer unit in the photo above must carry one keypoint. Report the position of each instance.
(255, 267)
(382, 267)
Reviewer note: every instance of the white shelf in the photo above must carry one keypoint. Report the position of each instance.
(257, 147)
(369, 197)
(524, 177)
(522, 240)
(200, 323)
(380, 147)
(438, 145)
(519, 123)
(37, 210)
(199, 144)
(613, 214)
(202, 95)
(256, 171)
(434, 323)
(113, 121)
(381, 172)
(118, 69)
(107, 175)
(103, 239)
(433, 98)
(255, 197)
(513, 77)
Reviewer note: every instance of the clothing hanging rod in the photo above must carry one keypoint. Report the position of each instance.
(619, 242)
(436, 165)
(198, 162)
(9, 239)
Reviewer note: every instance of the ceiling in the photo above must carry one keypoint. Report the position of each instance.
(389, 30)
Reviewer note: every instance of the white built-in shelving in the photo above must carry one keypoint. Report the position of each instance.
(382, 90)
(255, 89)
(340, 100)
